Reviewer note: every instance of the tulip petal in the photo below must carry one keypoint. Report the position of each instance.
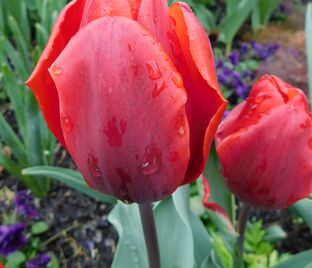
(265, 160)
(135, 5)
(95, 9)
(123, 116)
(40, 80)
(206, 105)
(153, 15)
(66, 26)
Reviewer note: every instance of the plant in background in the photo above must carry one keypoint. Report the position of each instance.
(238, 71)
(20, 232)
(25, 133)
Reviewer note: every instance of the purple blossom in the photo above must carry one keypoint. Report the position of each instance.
(219, 64)
(243, 48)
(39, 261)
(234, 57)
(11, 238)
(24, 205)
(242, 90)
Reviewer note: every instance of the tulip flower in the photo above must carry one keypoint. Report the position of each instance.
(129, 88)
(265, 146)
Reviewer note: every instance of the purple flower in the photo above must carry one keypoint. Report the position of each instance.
(243, 48)
(242, 90)
(11, 238)
(219, 64)
(39, 261)
(234, 57)
(24, 205)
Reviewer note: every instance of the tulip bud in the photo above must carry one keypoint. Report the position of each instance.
(265, 145)
(129, 88)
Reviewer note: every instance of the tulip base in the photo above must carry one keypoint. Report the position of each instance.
(150, 234)
(241, 226)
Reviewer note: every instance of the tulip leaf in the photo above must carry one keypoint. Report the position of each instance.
(302, 259)
(308, 29)
(219, 192)
(303, 208)
(69, 177)
(188, 244)
(131, 250)
(178, 250)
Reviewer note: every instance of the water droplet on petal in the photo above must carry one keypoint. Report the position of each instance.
(177, 80)
(114, 131)
(157, 89)
(180, 125)
(67, 124)
(57, 71)
(152, 160)
(310, 143)
(173, 42)
(93, 165)
(290, 108)
(108, 11)
(306, 124)
(153, 70)
(130, 46)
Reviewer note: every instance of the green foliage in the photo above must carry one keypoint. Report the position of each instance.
(302, 260)
(29, 140)
(259, 252)
(262, 12)
(308, 29)
(303, 209)
(69, 177)
(187, 250)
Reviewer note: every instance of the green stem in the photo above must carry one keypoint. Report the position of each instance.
(241, 226)
(149, 229)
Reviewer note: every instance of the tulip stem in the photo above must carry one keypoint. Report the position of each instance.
(150, 234)
(241, 226)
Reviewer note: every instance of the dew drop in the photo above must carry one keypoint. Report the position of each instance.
(306, 124)
(260, 98)
(93, 165)
(153, 70)
(130, 47)
(67, 124)
(180, 125)
(114, 131)
(177, 80)
(152, 160)
(173, 43)
(108, 11)
(57, 71)
(310, 143)
(157, 89)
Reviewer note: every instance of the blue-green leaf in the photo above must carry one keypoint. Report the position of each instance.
(69, 177)
(302, 260)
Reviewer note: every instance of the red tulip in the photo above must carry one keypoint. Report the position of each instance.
(129, 88)
(265, 145)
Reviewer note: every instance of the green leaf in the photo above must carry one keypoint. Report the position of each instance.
(219, 192)
(302, 260)
(202, 240)
(178, 251)
(303, 208)
(10, 138)
(131, 249)
(308, 30)
(53, 262)
(15, 259)
(274, 233)
(233, 21)
(39, 228)
(69, 177)
(262, 12)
